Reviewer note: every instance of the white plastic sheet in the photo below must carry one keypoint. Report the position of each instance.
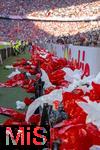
(49, 98)
(95, 147)
(97, 78)
(71, 75)
(28, 74)
(45, 78)
(44, 55)
(14, 73)
(9, 67)
(78, 83)
(20, 105)
(29, 62)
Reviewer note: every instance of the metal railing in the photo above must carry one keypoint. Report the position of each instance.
(5, 53)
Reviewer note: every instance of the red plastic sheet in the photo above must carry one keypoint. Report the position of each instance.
(70, 105)
(17, 117)
(14, 122)
(57, 76)
(76, 136)
(28, 101)
(12, 113)
(95, 92)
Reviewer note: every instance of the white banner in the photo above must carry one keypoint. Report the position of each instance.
(88, 56)
(56, 49)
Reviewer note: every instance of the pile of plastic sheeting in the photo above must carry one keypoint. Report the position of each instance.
(64, 83)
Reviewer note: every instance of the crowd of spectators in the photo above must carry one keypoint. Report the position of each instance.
(63, 8)
(78, 33)
(85, 39)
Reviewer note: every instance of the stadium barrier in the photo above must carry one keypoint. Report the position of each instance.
(5, 52)
(88, 56)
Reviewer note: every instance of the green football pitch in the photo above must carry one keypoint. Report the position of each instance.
(4, 45)
(9, 96)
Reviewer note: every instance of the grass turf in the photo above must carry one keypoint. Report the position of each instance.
(4, 46)
(9, 96)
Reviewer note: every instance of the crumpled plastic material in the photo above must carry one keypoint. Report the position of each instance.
(20, 105)
(70, 105)
(71, 75)
(12, 113)
(92, 109)
(35, 119)
(56, 105)
(2, 85)
(18, 118)
(28, 84)
(47, 66)
(75, 137)
(28, 74)
(18, 79)
(79, 83)
(14, 122)
(49, 98)
(96, 88)
(28, 101)
(97, 78)
(45, 78)
(71, 121)
(63, 83)
(20, 62)
(30, 89)
(14, 73)
(94, 133)
(86, 80)
(57, 76)
(50, 89)
(95, 147)
(9, 67)
(60, 63)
